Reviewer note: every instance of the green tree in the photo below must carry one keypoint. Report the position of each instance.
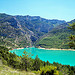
(26, 62)
(37, 63)
(72, 37)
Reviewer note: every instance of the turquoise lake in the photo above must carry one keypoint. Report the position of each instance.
(60, 56)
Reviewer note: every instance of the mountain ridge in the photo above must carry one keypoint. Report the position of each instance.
(23, 31)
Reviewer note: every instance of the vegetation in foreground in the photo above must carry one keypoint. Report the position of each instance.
(5, 70)
(27, 64)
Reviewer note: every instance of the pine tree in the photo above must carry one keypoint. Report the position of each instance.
(72, 37)
(36, 63)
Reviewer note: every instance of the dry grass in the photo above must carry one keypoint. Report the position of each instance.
(5, 70)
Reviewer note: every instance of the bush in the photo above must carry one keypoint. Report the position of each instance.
(4, 61)
(49, 70)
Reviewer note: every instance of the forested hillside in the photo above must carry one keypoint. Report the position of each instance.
(57, 38)
(22, 31)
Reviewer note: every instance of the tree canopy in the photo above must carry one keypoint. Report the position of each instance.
(72, 37)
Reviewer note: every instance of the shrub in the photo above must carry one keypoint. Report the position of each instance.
(49, 70)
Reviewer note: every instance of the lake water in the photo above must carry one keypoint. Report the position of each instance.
(60, 56)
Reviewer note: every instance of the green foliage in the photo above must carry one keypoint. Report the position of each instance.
(4, 61)
(72, 37)
(36, 64)
(55, 39)
(27, 63)
(72, 43)
(49, 70)
(72, 26)
(9, 58)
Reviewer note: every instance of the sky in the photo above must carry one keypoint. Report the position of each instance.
(49, 9)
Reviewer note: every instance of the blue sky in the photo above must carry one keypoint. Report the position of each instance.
(49, 9)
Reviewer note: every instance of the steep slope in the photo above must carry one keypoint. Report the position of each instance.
(22, 31)
(57, 38)
(39, 26)
(10, 33)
